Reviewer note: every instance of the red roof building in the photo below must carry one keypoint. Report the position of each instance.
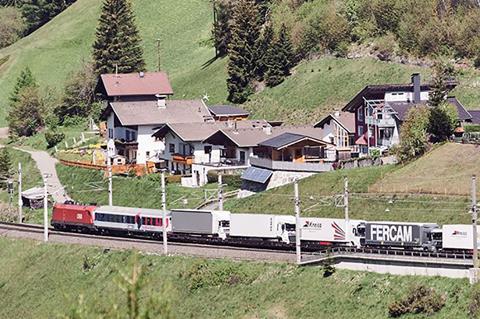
(135, 86)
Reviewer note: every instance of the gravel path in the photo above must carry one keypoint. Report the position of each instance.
(46, 165)
(154, 247)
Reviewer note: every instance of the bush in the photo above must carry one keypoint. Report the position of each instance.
(173, 178)
(53, 137)
(11, 25)
(414, 139)
(420, 299)
(234, 181)
(472, 128)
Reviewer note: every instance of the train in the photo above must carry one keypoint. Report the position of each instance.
(260, 230)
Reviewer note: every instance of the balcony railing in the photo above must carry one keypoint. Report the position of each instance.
(290, 166)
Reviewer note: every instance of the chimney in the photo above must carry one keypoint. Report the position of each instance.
(142, 75)
(416, 87)
(337, 114)
(161, 100)
(229, 123)
(267, 129)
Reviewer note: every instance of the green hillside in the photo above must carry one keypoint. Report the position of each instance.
(48, 281)
(319, 197)
(316, 86)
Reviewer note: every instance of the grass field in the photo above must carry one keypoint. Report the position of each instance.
(90, 186)
(319, 195)
(46, 281)
(445, 170)
(315, 88)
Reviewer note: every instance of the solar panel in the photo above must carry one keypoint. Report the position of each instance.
(255, 174)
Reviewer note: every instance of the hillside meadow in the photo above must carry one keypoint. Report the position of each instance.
(315, 88)
(55, 280)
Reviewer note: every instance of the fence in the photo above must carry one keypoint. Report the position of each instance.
(137, 169)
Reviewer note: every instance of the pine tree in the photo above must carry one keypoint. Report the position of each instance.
(245, 28)
(24, 80)
(117, 40)
(221, 26)
(285, 51)
(5, 164)
(274, 74)
(265, 42)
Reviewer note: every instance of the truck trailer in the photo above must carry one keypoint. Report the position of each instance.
(263, 226)
(201, 222)
(329, 231)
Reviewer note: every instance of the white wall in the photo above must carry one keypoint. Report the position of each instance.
(147, 143)
(404, 96)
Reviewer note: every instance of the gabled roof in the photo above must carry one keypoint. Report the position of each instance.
(227, 110)
(377, 92)
(190, 132)
(475, 116)
(344, 119)
(286, 139)
(402, 108)
(149, 113)
(251, 137)
(130, 84)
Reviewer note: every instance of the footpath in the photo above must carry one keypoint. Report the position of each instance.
(46, 165)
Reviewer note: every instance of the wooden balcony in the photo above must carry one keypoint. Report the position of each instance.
(183, 159)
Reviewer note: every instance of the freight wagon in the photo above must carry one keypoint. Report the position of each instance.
(393, 234)
(209, 223)
(328, 231)
(264, 227)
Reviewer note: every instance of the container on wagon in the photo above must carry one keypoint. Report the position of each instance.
(459, 237)
(264, 226)
(202, 222)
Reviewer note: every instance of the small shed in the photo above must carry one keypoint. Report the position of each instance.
(33, 197)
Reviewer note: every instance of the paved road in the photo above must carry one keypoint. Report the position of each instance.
(46, 165)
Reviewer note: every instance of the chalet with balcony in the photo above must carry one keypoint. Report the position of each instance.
(131, 125)
(379, 111)
(339, 130)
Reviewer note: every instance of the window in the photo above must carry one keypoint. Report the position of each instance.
(171, 148)
(128, 135)
(134, 136)
(360, 114)
(110, 133)
(147, 154)
(207, 149)
(360, 130)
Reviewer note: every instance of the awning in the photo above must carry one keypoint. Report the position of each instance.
(258, 175)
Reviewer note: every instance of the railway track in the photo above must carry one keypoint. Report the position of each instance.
(146, 244)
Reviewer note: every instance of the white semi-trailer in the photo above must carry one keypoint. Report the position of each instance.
(458, 237)
(328, 231)
(201, 222)
(262, 226)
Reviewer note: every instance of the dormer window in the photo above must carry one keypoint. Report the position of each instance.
(360, 114)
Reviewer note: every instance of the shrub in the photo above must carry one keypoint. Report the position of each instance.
(173, 178)
(11, 25)
(53, 137)
(472, 128)
(420, 299)
(234, 181)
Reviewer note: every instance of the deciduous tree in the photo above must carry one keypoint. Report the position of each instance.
(414, 137)
(25, 116)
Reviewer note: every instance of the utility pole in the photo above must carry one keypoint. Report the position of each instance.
(164, 215)
(20, 201)
(474, 222)
(110, 186)
(345, 207)
(220, 192)
(45, 208)
(158, 53)
(297, 222)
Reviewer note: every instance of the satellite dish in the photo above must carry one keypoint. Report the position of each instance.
(111, 148)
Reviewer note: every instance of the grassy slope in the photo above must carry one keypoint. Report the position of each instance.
(318, 199)
(454, 164)
(45, 281)
(59, 47)
(183, 27)
(90, 186)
